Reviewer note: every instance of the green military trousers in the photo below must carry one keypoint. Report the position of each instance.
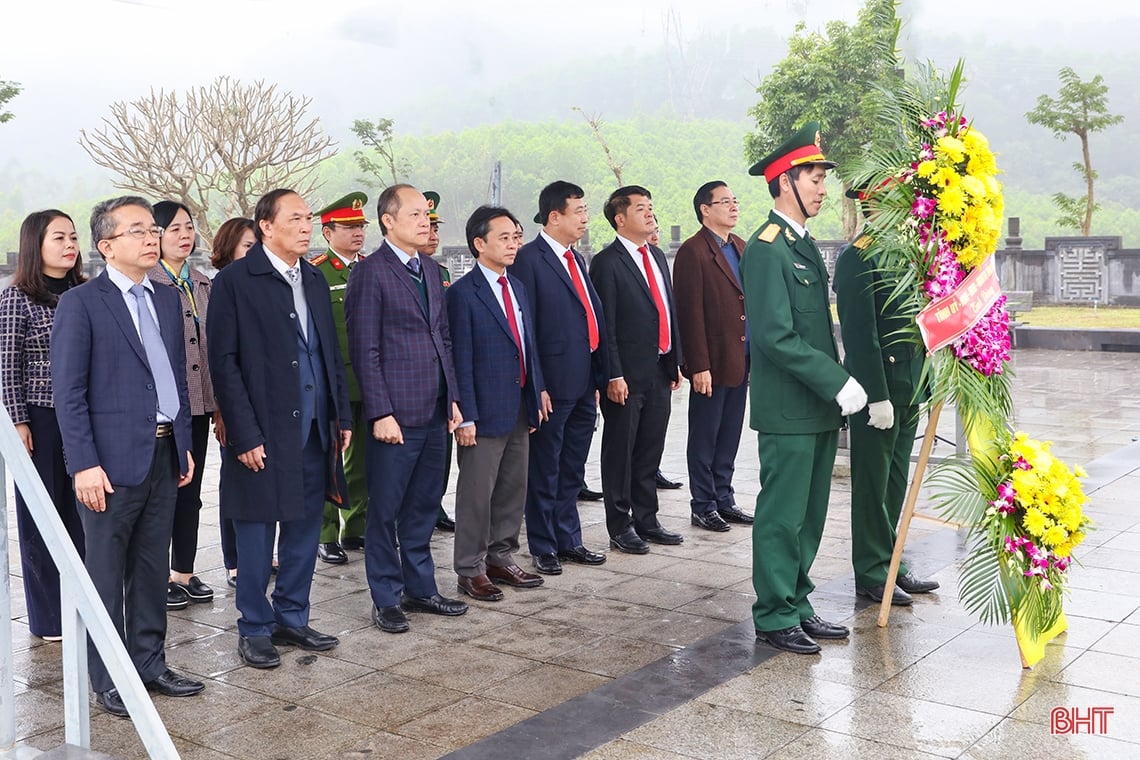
(880, 470)
(795, 483)
(354, 473)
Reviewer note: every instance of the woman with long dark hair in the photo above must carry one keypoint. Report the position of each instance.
(234, 238)
(49, 263)
(173, 270)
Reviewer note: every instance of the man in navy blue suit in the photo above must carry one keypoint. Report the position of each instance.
(401, 354)
(119, 380)
(569, 326)
(281, 385)
(503, 398)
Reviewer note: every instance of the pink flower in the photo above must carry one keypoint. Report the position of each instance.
(923, 207)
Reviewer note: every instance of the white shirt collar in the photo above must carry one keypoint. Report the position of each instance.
(797, 228)
(124, 283)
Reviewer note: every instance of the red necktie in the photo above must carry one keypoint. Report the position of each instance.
(662, 317)
(576, 278)
(510, 309)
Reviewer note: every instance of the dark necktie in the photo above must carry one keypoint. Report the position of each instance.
(576, 278)
(658, 301)
(413, 266)
(156, 356)
(509, 307)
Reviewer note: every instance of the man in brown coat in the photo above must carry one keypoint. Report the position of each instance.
(714, 332)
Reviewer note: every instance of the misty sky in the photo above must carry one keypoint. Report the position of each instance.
(355, 58)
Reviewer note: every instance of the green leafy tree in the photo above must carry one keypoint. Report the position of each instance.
(835, 78)
(8, 90)
(379, 136)
(1080, 109)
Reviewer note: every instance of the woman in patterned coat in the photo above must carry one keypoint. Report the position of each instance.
(49, 263)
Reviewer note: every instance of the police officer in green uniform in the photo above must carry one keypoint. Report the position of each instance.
(799, 394)
(343, 224)
(882, 351)
(442, 522)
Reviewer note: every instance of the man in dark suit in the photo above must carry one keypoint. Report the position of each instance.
(643, 349)
(710, 313)
(119, 380)
(881, 351)
(800, 394)
(569, 326)
(280, 382)
(401, 352)
(504, 400)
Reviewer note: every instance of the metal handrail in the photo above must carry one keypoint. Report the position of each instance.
(82, 614)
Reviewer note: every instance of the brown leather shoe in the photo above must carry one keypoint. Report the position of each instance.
(513, 575)
(480, 587)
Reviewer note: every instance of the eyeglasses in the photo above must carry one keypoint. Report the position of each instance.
(138, 233)
(725, 202)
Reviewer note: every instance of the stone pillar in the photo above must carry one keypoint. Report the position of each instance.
(1009, 276)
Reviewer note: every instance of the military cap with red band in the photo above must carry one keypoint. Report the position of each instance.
(347, 210)
(800, 149)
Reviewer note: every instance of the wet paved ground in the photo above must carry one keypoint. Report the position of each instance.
(654, 657)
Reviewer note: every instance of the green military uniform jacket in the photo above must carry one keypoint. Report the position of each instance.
(795, 363)
(880, 341)
(336, 273)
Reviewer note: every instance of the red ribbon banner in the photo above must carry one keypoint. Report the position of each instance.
(947, 319)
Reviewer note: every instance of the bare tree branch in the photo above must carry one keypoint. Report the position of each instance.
(596, 123)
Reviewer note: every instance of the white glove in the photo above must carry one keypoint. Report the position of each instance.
(851, 397)
(882, 415)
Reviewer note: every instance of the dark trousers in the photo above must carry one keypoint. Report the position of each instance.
(127, 560)
(490, 499)
(633, 440)
(41, 577)
(715, 423)
(880, 470)
(403, 502)
(296, 553)
(355, 474)
(184, 536)
(795, 483)
(558, 451)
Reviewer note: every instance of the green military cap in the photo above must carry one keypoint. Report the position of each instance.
(799, 149)
(433, 206)
(539, 220)
(350, 208)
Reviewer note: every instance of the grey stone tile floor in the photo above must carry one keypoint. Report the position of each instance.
(654, 656)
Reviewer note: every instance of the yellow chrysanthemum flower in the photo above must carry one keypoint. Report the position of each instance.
(1054, 536)
(952, 201)
(1035, 522)
(974, 186)
(950, 147)
(926, 169)
(1063, 549)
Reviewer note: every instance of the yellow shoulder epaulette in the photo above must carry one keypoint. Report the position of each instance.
(318, 260)
(769, 233)
(863, 242)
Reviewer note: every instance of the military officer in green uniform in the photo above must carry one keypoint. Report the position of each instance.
(442, 522)
(799, 394)
(343, 224)
(882, 351)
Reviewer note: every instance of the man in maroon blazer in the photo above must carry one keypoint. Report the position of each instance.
(714, 332)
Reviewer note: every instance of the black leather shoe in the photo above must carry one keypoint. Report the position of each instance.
(176, 598)
(445, 523)
(196, 591)
(734, 515)
(304, 637)
(629, 542)
(818, 628)
(112, 703)
(582, 556)
(547, 564)
(258, 652)
(352, 542)
(390, 619)
(899, 598)
(332, 553)
(789, 640)
(664, 483)
(710, 521)
(912, 585)
(231, 580)
(171, 684)
(585, 494)
(659, 535)
(434, 604)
